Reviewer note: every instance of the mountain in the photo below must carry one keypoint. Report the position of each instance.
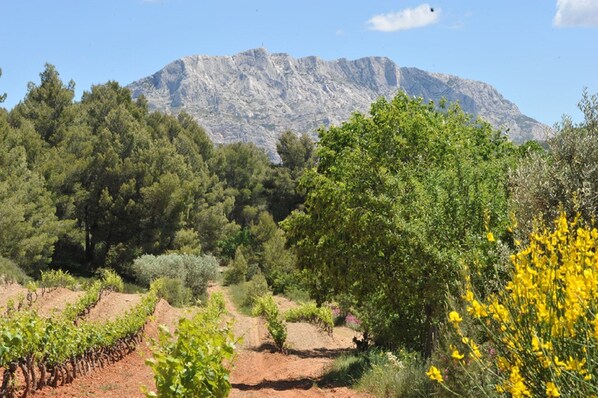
(255, 95)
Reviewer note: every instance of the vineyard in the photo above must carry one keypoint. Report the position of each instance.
(53, 351)
(60, 342)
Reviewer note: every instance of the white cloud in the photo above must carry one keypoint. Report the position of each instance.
(408, 18)
(570, 13)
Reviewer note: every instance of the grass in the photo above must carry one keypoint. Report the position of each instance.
(346, 371)
(380, 373)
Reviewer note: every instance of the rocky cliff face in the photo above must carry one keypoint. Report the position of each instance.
(254, 96)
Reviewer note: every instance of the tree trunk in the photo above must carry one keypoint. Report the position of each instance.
(430, 333)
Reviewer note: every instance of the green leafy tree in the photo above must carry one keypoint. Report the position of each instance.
(394, 200)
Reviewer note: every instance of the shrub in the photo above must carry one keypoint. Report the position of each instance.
(381, 373)
(186, 241)
(266, 307)
(236, 272)
(195, 363)
(11, 273)
(174, 291)
(309, 312)
(396, 374)
(245, 294)
(194, 271)
(540, 332)
(256, 288)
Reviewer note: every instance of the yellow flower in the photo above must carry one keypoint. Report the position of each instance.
(517, 385)
(490, 237)
(468, 296)
(434, 374)
(457, 355)
(454, 317)
(551, 390)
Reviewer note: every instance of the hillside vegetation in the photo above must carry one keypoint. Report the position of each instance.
(450, 249)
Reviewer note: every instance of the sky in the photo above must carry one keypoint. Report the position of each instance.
(539, 54)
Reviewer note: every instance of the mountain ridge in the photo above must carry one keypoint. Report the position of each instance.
(256, 95)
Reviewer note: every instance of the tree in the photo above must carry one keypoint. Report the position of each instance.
(295, 152)
(395, 199)
(242, 166)
(280, 185)
(28, 223)
(565, 177)
(49, 105)
(2, 96)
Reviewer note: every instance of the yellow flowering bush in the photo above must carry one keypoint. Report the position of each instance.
(540, 332)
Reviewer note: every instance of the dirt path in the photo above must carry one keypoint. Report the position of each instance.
(260, 371)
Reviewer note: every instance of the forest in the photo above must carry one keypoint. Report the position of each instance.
(471, 258)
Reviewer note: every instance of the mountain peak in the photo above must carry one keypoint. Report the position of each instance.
(256, 95)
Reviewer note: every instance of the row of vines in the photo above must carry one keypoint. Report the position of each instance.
(54, 351)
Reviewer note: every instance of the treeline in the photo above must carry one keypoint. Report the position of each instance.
(103, 181)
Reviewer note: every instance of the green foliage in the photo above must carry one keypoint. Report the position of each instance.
(279, 264)
(400, 374)
(54, 279)
(564, 178)
(310, 312)
(28, 223)
(394, 201)
(48, 105)
(242, 166)
(236, 271)
(381, 373)
(245, 294)
(11, 273)
(194, 271)
(123, 181)
(280, 185)
(186, 241)
(174, 291)
(109, 281)
(266, 307)
(261, 247)
(228, 247)
(297, 153)
(194, 364)
(44, 347)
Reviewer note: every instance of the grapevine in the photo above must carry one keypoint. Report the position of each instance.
(54, 352)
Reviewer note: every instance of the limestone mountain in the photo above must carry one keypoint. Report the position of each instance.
(255, 95)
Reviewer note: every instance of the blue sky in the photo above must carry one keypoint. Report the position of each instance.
(540, 54)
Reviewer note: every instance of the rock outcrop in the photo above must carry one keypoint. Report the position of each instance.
(254, 95)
